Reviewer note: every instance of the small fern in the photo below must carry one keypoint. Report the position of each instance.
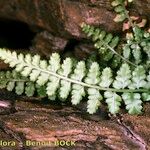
(104, 42)
(78, 81)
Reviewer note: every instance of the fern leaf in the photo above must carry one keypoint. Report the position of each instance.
(138, 78)
(19, 67)
(93, 76)
(11, 80)
(28, 59)
(65, 70)
(30, 89)
(120, 17)
(123, 77)
(53, 84)
(138, 46)
(132, 102)
(77, 90)
(36, 60)
(126, 51)
(26, 71)
(10, 85)
(148, 81)
(114, 102)
(64, 89)
(136, 53)
(33, 75)
(94, 99)
(42, 78)
(77, 93)
(146, 97)
(19, 88)
(117, 2)
(79, 71)
(41, 90)
(106, 78)
(54, 62)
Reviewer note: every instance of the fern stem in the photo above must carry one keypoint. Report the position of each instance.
(121, 56)
(88, 85)
(75, 81)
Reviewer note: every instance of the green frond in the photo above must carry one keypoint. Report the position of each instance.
(54, 79)
(102, 40)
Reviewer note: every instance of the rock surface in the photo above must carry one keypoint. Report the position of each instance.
(62, 18)
(41, 123)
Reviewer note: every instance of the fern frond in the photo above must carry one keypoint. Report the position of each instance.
(64, 80)
(104, 42)
(101, 39)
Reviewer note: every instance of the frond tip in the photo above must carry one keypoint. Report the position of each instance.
(65, 79)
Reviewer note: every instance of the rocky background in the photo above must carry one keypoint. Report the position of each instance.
(46, 26)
